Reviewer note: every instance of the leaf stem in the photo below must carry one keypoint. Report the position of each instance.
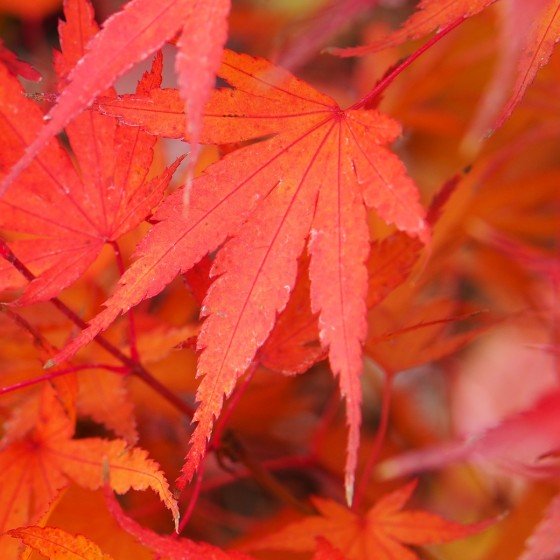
(370, 98)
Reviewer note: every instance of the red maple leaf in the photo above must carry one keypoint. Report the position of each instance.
(70, 214)
(309, 182)
(430, 16)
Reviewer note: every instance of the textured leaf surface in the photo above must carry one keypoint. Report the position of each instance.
(104, 397)
(70, 213)
(382, 533)
(57, 544)
(123, 41)
(313, 178)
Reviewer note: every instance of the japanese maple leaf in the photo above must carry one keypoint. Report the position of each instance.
(70, 215)
(138, 30)
(38, 462)
(382, 533)
(309, 183)
(531, 29)
(57, 544)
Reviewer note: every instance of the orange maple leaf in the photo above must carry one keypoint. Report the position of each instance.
(308, 183)
(39, 457)
(381, 533)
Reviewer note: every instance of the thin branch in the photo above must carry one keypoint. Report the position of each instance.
(278, 464)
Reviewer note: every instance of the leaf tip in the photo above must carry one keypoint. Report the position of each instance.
(50, 363)
(349, 489)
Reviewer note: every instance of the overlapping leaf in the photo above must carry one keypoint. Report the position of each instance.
(310, 181)
(69, 214)
(127, 37)
(15, 66)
